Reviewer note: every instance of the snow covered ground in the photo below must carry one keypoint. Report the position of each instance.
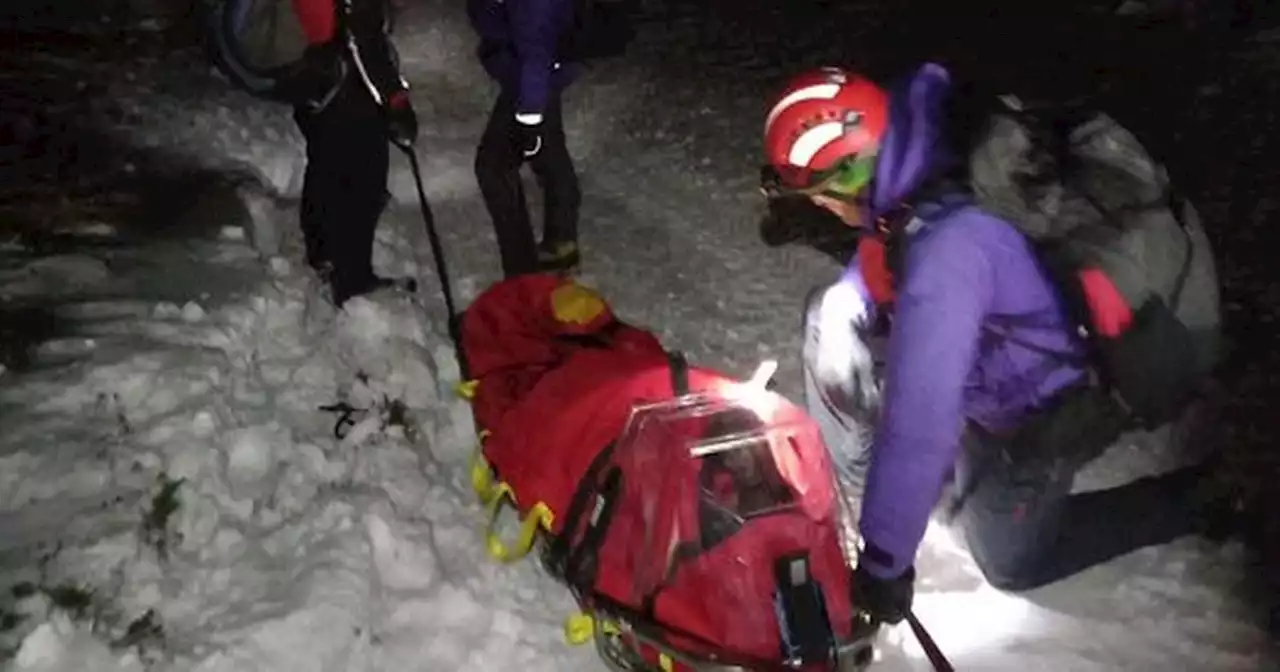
(171, 498)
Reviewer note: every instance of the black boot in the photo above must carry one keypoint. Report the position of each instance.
(342, 290)
(1220, 511)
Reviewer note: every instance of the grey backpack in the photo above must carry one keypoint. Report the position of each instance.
(1128, 254)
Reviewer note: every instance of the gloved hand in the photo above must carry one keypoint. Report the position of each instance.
(402, 121)
(836, 349)
(884, 600)
(529, 134)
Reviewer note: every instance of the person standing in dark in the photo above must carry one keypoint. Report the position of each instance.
(521, 47)
(352, 101)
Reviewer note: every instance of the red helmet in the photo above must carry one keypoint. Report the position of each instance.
(822, 119)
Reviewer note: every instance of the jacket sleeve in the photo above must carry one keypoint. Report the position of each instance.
(932, 348)
(368, 35)
(536, 33)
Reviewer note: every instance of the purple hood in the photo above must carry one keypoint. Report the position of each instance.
(913, 149)
(975, 322)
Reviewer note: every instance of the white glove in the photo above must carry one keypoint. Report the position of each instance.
(836, 350)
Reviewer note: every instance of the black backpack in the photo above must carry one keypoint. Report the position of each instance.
(1096, 205)
(601, 29)
(260, 46)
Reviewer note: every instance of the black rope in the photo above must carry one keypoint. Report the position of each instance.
(346, 417)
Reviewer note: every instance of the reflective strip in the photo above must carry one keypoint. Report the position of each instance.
(815, 92)
(319, 105)
(529, 119)
(813, 141)
(364, 74)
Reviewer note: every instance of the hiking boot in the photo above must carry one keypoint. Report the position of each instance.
(343, 291)
(323, 270)
(1220, 511)
(319, 263)
(558, 257)
(1221, 518)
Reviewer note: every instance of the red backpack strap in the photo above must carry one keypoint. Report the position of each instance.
(1109, 312)
(318, 18)
(873, 263)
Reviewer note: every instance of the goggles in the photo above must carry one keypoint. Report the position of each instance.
(846, 180)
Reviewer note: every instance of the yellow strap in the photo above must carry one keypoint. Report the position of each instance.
(482, 481)
(467, 389)
(539, 516)
(580, 628)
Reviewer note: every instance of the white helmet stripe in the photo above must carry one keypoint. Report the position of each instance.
(812, 141)
(823, 91)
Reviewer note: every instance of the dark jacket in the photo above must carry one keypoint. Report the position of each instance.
(520, 47)
(361, 29)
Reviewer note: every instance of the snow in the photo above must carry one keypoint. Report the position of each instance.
(287, 549)
(184, 372)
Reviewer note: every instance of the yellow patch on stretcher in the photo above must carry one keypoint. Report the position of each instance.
(573, 303)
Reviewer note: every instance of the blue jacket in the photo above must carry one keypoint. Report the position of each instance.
(519, 41)
(967, 277)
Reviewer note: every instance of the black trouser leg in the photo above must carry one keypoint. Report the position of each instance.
(316, 182)
(1026, 530)
(345, 185)
(559, 181)
(498, 162)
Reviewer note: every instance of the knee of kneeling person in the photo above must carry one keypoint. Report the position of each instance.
(1010, 579)
(1007, 562)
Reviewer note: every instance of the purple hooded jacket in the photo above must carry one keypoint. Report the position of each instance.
(967, 277)
(519, 41)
